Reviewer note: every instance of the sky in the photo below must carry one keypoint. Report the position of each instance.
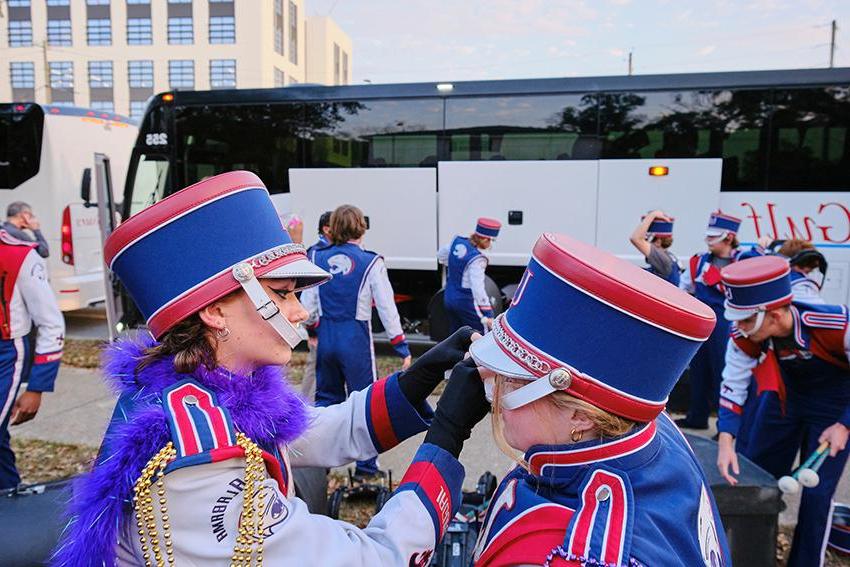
(398, 41)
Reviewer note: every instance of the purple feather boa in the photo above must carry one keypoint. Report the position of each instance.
(262, 406)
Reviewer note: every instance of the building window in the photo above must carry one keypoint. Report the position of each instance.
(140, 74)
(336, 64)
(279, 78)
(293, 32)
(58, 2)
(99, 32)
(137, 108)
(139, 31)
(22, 75)
(223, 73)
(292, 81)
(179, 1)
(100, 74)
(20, 33)
(19, 3)
(222, 29)
(59, 32)
(278, 26)
(102, 105)
(344, 68)
(181, 74)
(179, 30)
(97, 2)
(61, 75)
(138, 1)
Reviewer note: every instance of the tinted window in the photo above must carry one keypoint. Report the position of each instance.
(259, 138)
(809, 148)
(20, 143)
(374, 133)
(690, 124)
(522, 127)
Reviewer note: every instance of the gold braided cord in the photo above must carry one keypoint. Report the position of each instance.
(248, 550)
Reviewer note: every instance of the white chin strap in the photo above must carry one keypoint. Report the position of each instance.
(759, 322)
(558, 379)
(716, 239)
(267, 308)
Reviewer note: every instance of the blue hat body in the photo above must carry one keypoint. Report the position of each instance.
(488, 228)
(719, 223)
(756, 284)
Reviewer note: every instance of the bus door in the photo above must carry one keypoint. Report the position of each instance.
(686, 189)
(527, 197)
(400, 204)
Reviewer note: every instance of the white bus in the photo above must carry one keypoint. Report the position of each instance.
(43, 152)
(569, 155)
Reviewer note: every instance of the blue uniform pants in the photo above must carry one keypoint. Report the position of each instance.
(706, 371)
(345, 363)
(14, 367)
(462, 313)
(774, 441)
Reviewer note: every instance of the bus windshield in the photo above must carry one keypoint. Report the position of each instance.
(21, 127)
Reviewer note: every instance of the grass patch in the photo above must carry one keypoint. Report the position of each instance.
(44, 461)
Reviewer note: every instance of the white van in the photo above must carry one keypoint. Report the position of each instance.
(43, 152)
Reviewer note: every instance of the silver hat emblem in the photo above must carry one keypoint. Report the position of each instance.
(560, 378)
(243, 271)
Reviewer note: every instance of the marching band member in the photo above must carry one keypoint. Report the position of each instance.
(653, 238)
(345, 356)
(27, 299)
(465, 297)
(606, 477)
(195, 466)
(702, 280)
(308, 382)
(800, 353)
(806, 263)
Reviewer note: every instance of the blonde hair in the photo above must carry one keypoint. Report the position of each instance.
(477, 240)
(606, 424)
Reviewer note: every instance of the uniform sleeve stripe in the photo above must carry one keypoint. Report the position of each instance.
(390, 417)
(731, 406)
(396, 340)
(435, 477)
(47, 358)
(378, 417)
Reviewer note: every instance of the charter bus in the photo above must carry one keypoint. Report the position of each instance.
(43, 152)
(571, 155)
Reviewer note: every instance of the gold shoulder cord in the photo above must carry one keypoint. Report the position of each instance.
(249, 542)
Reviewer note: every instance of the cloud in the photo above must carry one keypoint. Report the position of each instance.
(707, 50)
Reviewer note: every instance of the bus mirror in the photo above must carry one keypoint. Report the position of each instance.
(85, 187)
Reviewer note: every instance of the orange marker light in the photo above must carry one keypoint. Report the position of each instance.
(659, 170)
(167, 97)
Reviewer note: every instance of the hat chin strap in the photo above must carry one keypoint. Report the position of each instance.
(756, 327)
(267, 308)
(558, 379)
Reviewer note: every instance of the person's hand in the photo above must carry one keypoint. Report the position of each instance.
(836, 434)
(462, 405)
(25, 408)
(32, 222)
(727, 458)
(488, 323)
(764, 241)
(405, 364)
(418, 381)
(658, 214)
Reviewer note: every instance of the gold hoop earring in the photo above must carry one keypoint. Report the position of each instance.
(576, 435)
(222, 334)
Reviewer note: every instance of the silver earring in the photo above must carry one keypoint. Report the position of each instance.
(222, 334)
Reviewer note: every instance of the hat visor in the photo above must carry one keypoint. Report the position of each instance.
(735, 314)
(304, 272)
(487, 353)
(714, 232)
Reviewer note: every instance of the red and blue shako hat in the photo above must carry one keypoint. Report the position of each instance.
(756, 285)
(487, 227)
(660, 228)
(597, 327)
(721, 224)
(202, 243)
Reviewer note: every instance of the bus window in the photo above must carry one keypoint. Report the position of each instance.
(522, 127)
(742, 117)
(261, 138)
(379, 133)
(21, 127)
(809, 149)
(149, 182)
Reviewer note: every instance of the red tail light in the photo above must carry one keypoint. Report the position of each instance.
(67, 243)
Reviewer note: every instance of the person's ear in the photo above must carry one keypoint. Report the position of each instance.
(581, 421)
(213, 316)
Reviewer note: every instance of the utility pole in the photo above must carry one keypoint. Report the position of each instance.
(834, 28)
(630, 63)
(48, 93)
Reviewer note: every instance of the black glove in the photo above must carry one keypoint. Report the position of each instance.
(462, 405)
(418, 381)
